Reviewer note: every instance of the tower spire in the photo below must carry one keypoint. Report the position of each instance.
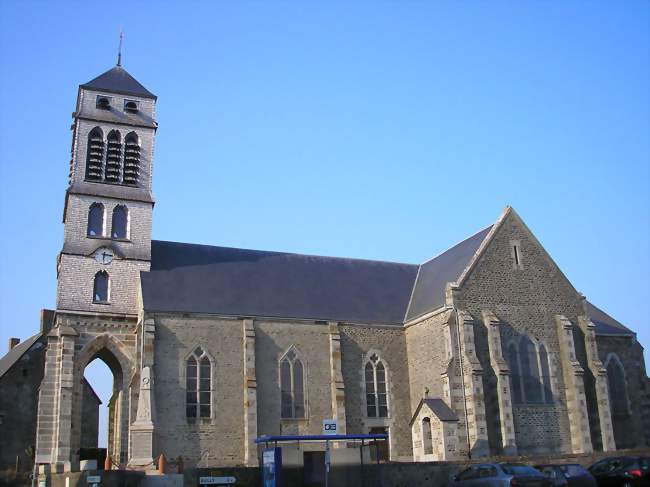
(119, 50)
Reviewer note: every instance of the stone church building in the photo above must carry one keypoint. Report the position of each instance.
(486, 349)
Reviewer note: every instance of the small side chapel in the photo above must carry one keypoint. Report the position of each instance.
(486, 349)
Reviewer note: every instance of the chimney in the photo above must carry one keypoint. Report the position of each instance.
(13, 342)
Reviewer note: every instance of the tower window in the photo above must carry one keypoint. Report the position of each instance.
(120, 223)
(114, 157)
(292, 402)
(198, 385)
(376, 395)
(95, 220)
(130, 106)
(131, 159)
(103, 103)
(101, 287)
(95, 155)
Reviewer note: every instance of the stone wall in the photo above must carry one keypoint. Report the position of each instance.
(628, 428)
(390, 345)
(427, 357)
(203, 441)
(526, 298)
(18, 408)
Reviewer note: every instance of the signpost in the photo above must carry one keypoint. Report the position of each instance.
(272, 467)
(330, 428)
(216, 480)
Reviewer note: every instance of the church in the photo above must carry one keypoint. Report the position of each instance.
(486, 349)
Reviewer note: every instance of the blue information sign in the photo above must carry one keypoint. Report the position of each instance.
(272, 467)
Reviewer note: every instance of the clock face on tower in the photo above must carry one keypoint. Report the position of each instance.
(104, 255)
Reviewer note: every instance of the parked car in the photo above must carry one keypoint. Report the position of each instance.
(629, 471)
(501, 475)
(568, 475)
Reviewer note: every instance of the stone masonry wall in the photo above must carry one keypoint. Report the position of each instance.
(628, 429)
(218, 440)
(76, 241)
(526, 300)
(390, 344)
(311, 341)
(427, 357)
(76, 280)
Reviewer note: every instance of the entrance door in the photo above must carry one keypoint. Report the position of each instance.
(381, 448)
(314, 468)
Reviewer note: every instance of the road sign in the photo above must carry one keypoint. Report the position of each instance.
(216, 480)
(93, 479)
(329, 427)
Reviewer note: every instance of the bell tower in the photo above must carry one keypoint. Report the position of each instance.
(107, 243)
(108, 204)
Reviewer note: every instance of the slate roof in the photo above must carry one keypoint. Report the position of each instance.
(433, 276)
(118, 80)
(189, 278)
(605, 324)
(439, 407)
(15, 354)
(240, 282)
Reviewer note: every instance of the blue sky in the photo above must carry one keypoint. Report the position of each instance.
(381, 130)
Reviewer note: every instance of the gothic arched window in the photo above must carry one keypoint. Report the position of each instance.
(95, 220)
(131, 159)
(120, 223)
(376, 395)
(198, 385)
(292, 386)
(515, 374)
(617, 386)
(95, 155)
(427, 441)
(530, 371)
(101, 287)
(113, 157)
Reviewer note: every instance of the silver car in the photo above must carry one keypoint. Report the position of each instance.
(500, 475)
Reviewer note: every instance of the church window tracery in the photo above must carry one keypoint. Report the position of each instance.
(530, 372)
(198, 385)
(95, 155)
(131, 159)
(95, 220)
(120, 223)
(101, 287)
(617, 385)
(376, 392)
(292, 387)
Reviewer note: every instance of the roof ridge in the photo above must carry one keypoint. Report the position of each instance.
(279, 252)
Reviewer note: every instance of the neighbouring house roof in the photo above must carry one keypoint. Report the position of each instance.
(240, 282)
(605, 324)
(118, 80)
(15, 354)
(439, 407)
(191, 278)
(433, 276)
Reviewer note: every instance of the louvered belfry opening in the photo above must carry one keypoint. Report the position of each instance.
(95, 156)
(114, 157)
(131, 159)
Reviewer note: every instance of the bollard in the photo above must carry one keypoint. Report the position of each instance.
(162, 463)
